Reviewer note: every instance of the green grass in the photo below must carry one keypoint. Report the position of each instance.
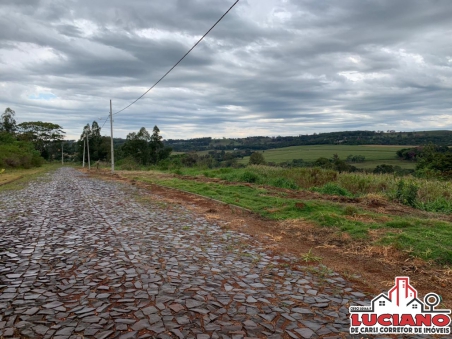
(253, 198)
(375, 154)
(432, 195)
(332, 189)
(309, 257)
(370, 165)
(428, 239)
(15, 179)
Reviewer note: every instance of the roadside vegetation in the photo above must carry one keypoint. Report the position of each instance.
(17, 178)
(28, 144)
(386, 209)
(352, 195)
(27, 150)
(423, 236)
(17, 154)
(432, 195)
(138, 149)
(404, 207)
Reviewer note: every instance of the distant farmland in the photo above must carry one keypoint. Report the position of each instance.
(375, 154)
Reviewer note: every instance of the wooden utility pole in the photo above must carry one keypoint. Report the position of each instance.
(83, 151)
(112, 146)
(87, 143)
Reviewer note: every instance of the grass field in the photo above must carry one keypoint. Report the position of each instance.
(375, 154)
(12, 179)
(426, 237)
(430, 195)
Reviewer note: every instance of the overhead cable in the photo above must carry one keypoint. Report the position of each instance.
(177, 63)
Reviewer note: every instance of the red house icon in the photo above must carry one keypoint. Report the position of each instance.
(402, 292)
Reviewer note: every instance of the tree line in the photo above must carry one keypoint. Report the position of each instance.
(27, 144)
(431, 160)
(443, 138)
(138, 149)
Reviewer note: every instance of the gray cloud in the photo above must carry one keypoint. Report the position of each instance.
(271, 67)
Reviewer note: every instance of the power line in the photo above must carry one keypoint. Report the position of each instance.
(106, 119)
(177, 63)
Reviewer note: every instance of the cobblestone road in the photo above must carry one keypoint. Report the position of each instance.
(83, 258)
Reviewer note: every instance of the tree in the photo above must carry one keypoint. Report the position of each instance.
(340, 165)
(15, 153)
(136, 146)
(82, 145)
(144, 135)
(145, 148)
(8, 123)
(155, 144)
(97, 152)
(95, 130)
(384, 169)
(157, 149)
(257, 159)
(98, 149)
(435, 161)
(42, 134)
(323, 163)
(190, 159)
(356, 158)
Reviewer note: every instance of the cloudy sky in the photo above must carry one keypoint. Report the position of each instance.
(271, 67)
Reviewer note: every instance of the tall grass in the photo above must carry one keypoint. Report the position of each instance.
(429, 192)
(430, 195)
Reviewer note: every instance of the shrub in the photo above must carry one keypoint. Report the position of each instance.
(249, 177)
(128, 164)
(11, 162)
(284, 183)
(36, 160)
(25, 160)
(164, 165)
(441, 204)
(411, 195)
(407, 194)
(323, 163)
(19, 154)
(177, 171)
(383, 168)
(257, 159)
(332, 189)
(356, 158)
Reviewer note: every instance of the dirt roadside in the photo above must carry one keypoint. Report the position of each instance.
(372, 269)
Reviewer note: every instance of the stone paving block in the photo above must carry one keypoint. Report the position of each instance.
(86, 258)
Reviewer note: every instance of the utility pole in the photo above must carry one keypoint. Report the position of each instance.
(112, 147)
(83, 151)
(62, 159)
(87, 143)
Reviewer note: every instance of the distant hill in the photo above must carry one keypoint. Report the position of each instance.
(443, 138)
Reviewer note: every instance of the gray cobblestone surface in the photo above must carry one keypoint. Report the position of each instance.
(82, 258)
